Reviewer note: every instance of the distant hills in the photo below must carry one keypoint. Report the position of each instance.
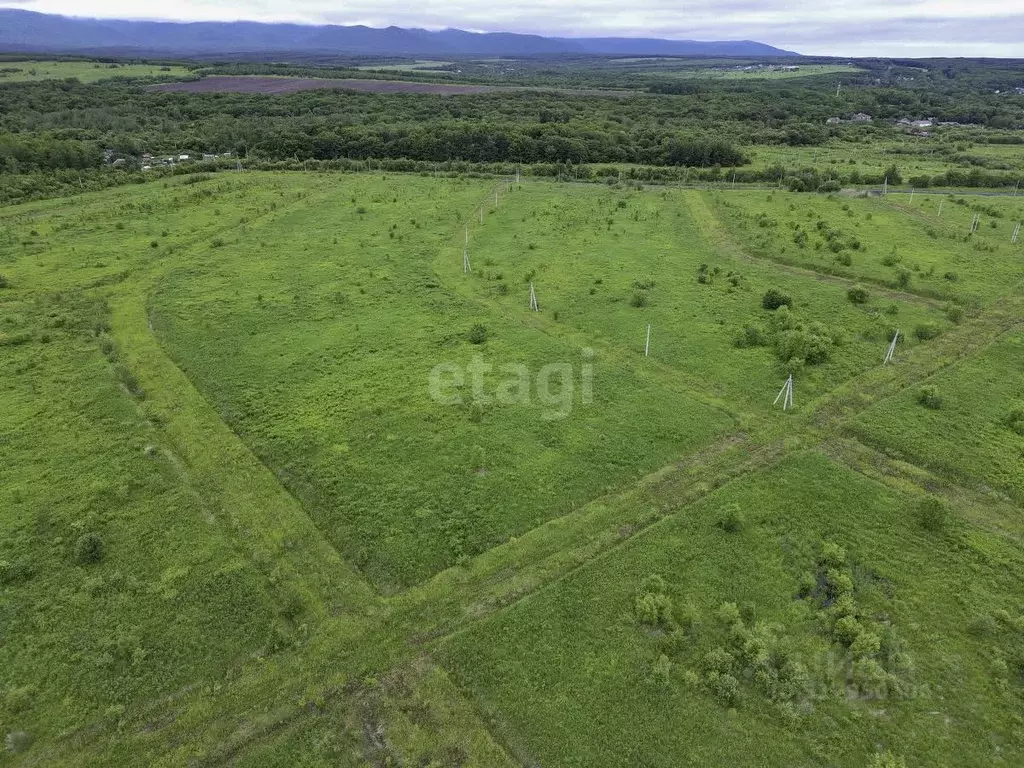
(37, 32)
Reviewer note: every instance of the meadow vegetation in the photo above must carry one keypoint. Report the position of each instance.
(264, 501)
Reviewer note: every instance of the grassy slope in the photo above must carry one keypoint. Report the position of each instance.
(174, 597)
(176, 503)
(573, 656)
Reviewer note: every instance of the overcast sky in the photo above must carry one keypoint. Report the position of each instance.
(829, 27)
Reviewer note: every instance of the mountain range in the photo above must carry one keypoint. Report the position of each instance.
(28, 31)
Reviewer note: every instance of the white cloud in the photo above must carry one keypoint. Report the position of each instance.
(895, 27)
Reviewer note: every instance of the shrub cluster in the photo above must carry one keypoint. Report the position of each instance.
(478, 334)
(929, 397)
(858, 294)
(877, 662)
(88, 549)
(797, 343)
(653, 606)
(752, 653)
(774, 298)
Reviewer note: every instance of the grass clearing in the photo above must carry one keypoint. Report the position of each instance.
(219, 409)
(974, 434)
(116, 580)
(875, 240)
(578, 653)
(606, 263)
(84, 71)
(322, 363)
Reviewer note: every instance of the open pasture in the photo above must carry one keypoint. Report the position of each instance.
(710, 638)
(607, 263)
(319, 353)
(664, 68)
(914, 156)
(973, 428)
(85, 71)
(117, 580)
(896, 241)
(260, 403)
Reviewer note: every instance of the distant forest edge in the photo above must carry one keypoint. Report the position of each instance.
(31, 31)
(61, 136)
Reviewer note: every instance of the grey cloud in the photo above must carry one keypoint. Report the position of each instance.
(840, 27)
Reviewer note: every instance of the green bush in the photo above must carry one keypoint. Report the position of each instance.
(750, 336)
(929, 397)
(3, 282)
(655, 610)
(730, 519)
(932, 514)
(774, 298)
(478, 334)
(955, 313)
(858, 294)
(903, 277)
(88, 549)
(811, 343)
(638, 299)
(927, 331)
(725, 688)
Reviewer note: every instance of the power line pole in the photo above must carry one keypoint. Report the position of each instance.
(892, 348)
(785, 394)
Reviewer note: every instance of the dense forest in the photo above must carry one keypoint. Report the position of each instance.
(662, 120)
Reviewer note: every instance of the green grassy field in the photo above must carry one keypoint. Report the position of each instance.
(972, 434)
(246, 523)
(411, 66)
(913, 156)
(893, 241)
(85, 71)
(581, 653)
(708, 73)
